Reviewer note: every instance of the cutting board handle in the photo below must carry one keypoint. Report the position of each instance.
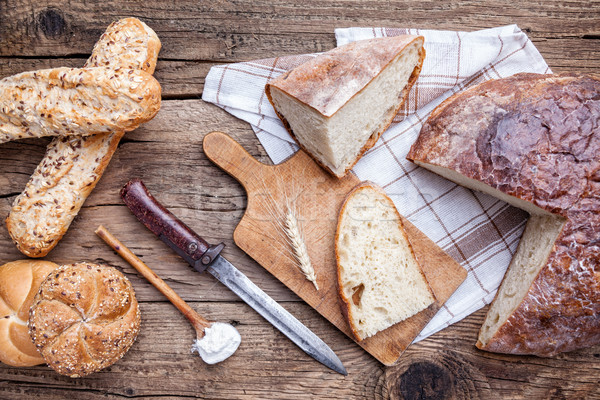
(232, 157)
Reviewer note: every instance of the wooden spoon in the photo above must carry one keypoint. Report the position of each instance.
(227, 335)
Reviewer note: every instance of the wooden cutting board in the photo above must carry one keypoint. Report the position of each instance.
(317, 197)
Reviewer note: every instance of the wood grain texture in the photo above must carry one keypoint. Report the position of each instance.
(316, 197)
(196, 35)
(266, 366)
(167, 154)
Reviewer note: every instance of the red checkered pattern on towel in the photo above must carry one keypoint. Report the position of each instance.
(478, 231)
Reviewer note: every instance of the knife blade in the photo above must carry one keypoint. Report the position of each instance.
(205, 257)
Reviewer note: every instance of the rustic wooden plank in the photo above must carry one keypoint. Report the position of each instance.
(234, 30)
(244, 30)
(268, 366)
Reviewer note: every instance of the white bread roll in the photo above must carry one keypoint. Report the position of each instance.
(19, 282)
(379, 278)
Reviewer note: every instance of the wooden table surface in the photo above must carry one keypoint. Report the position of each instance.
(167, 154)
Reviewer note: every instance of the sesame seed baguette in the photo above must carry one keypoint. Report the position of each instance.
(76, 101)
(73, 165)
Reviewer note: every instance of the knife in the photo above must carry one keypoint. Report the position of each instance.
(205, 257)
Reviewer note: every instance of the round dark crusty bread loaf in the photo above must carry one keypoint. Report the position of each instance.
(535, 138)
(84, 318)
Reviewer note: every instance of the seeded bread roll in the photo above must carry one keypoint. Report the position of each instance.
(379, 278)
(532, 141)
(337, 105)
(75, 101)
(19, 282)
(72, 166)
(84, 318)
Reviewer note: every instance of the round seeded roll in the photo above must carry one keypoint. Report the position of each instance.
(19, 282)
(84, 318)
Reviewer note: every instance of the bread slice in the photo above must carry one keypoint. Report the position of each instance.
(338, 104)
(533, 141)
(380, 281)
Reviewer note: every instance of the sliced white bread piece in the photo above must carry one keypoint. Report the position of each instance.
(379, 278)
(338, 104)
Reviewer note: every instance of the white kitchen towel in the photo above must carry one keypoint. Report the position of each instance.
(478, 231)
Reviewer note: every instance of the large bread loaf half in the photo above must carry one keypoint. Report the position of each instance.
(338, 104)
(532, 141)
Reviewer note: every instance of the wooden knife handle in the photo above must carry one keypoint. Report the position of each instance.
(177, 235)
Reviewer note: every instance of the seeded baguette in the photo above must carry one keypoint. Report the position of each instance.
(76, 101)
(61, 183)
(72, 166)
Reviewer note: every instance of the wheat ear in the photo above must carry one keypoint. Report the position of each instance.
(292, 230)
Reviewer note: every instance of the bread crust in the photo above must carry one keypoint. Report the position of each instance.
(536, 138)
(84, 318)
(308, 81)
(73, 165)
(344, 300)
(19, 282)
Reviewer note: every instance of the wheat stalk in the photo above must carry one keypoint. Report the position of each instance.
(287, 225)
(294, 234)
